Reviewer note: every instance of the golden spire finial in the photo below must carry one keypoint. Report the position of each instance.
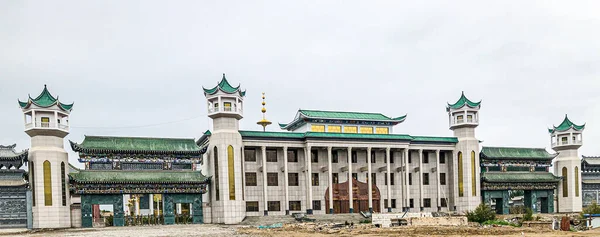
(264, 122)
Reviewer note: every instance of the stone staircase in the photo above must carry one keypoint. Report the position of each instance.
(325, 218)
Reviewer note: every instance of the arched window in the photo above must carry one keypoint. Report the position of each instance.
(63, 183)
(32, 181)
(47, 184)
(231, 172)
(461, 190)
(576, 181)
(216, 156)
(473, 175)
(565, 182)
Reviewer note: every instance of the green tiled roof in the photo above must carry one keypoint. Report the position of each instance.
(462, 101)
(225, 87)
(45, 100)
(340, 115)
(516, 153)
(119, 176)
(517, 177)
(137, 144)
(366, 136)
(566, 125)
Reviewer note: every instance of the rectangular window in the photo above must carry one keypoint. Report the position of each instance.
(271, 155)
(250, 179)
(425, 178)
(292, 156)
(411, 203)
(314, 156)
(409, 157)
(392, 157)
(459, 119)
(374, 178)
(393, 203)
(426, 202)
(251, 206)
(317, 128)
(295, 206)
(380, 130)
(354, 157)
(355, 176)
(334, 157)
(274, 206)
(366, 129)
(227, 106)
(335, 178)
(391, 179)
(317, 205)
(334, 128)
(315, 179)
(442, 158)
(443, 202)
(425, 158)
(45, 122)
(469, 118)
(350, 129)
(373, 157)
(293, 179)
(272, 179)
(442, 178)
(409, 178)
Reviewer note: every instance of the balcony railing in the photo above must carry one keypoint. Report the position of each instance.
(566, 143)
(225, 109)
(46, 125)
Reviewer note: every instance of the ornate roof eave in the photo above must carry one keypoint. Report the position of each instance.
(45, 95)
(301, 119)
(78, 148)
(565, 125)
(225, 87)
(462, 102)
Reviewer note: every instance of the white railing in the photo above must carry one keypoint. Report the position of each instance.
(225, 109)
(565, 143)
(46, 125)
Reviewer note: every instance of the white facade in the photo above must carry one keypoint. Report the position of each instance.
(568, 166)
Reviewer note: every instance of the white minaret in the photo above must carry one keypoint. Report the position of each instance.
(463, 119)
(225, 107)
(566, 140)
(47, 123)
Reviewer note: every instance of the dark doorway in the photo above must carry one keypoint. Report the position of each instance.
(544, 203)
(360, 196)
(499, 205)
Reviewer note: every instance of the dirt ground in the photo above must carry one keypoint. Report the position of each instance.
(366, 230)
(299, 230)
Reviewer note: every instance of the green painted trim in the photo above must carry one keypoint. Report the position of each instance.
(461, 102)
(566, 125)
(435, 139)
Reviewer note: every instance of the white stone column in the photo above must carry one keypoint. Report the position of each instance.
(286, 180)
(151, 204)
(370, 183)
(33, 120)
(402, 184)
(309, 207)
(437, 170)
(137, 205)
(55, 122)
(454, 160)
(420, 179)
(264, 170)
(406, 173)
(389, 180)
(330, 180)
(178, 208)
(220, 104)
(350, 192)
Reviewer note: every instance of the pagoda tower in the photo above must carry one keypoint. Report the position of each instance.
(47, 123)
(225, 108)
(463, 119)
(566, 140)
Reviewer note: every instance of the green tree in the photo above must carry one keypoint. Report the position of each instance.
(591, 209)
(528, 216)
(481, 214)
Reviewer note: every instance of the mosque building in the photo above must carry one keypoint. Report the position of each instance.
(322, 162)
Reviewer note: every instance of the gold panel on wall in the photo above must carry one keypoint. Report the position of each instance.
(366, 129)
(350, 129)
(565, 182)
(231, 172)
(47, 184)
(334, 128)
(576, 181)
(380, 130)
(461, 187)
(317, 128)
(473, 175)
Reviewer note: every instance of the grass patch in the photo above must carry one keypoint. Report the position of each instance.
(499, 222)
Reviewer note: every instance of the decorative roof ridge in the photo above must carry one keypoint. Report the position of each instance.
(514, 147)
(339, 111)
(592, 157)
(8, 146)
(462, 101)
(565, 125)
(169, 138)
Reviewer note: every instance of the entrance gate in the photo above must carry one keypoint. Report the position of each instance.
(193, 198)
(88, 200)
(360, 196)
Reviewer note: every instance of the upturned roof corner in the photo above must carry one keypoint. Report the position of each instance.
(463, 101)
(44, 100)
(566, 125)
(224, 86)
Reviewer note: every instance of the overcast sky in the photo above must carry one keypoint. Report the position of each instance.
(127, 64)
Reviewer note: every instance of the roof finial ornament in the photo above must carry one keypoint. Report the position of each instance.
(264, 122)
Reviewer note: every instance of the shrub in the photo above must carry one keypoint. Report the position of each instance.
(591, 209)
(528, 216)
(499, 222)
(481, 214)
(108, 221)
